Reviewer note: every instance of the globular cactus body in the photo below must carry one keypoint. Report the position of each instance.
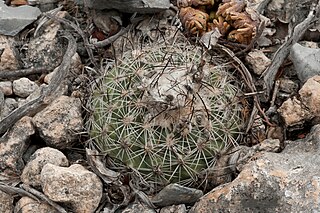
(165, 113)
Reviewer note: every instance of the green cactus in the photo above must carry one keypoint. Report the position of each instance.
(165, 113)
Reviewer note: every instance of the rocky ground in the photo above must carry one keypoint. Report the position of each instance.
(51, 54)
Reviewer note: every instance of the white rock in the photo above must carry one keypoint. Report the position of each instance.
(59, 123)
(258, 60)
(73, 185)
(23, 87)
(31, 172)
(6, 87)
(28, 205)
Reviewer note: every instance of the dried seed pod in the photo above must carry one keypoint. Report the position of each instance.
(194, 21)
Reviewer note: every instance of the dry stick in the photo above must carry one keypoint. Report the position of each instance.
(283, 51)
(246, 75)
(111, 39)
(13, 74)
(47, 95)
(43, 197)
(11, 190)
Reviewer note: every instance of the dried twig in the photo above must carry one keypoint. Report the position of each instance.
(47, 95)
(111, 39)
(283, 51)
(43, 198)
(11, 190)
(246, 75)
(14, 74)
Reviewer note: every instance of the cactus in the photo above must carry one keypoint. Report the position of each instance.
(165, 112)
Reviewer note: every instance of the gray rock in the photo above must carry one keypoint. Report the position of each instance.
(175, 194)
(31, 172)
(15, 19)
(46, 49)
(8, 60)
(131, 6)
(13, 145)
(74, 185)
(59, 123)
(274, 182)
(10, 104)
(138, 208)
(306, 61)
(174, 209)
(23, 87)
(28, 205)
(6, 202)
(6, 87)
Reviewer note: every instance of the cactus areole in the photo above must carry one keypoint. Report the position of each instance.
(165, 112)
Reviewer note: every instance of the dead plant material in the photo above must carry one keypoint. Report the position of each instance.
(43, 197)
(48, 94)
(246, 76)
(282, 53)
(15, 74)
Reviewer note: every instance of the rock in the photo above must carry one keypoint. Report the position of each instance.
(31, 172)
(46, 49)
(309, 95)
(9, 105)
(6, 202)
(28, 205)
(131, 6)
(138, 208)
(275, 182)
(15, 19)
(59, 123)
(175, 194)
(6, 87)
(74, 185)
(23, 87)
(13, 145)
(294, 112)
(8, 60)
(258, 60)
(174, 209)
(288, 86)
(109, 21)
(306, 61)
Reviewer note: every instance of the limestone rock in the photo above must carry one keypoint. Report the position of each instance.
(175, 194)
(73, 185)
(6, 87)
(306, 61)
(8, 60)
(6, 202)
(59, 123)
(28, 205)
(23, 87)
(258, 60)
(275, 182)
(14, 145)
(15, 19)
(131, 6)
(31, 172)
